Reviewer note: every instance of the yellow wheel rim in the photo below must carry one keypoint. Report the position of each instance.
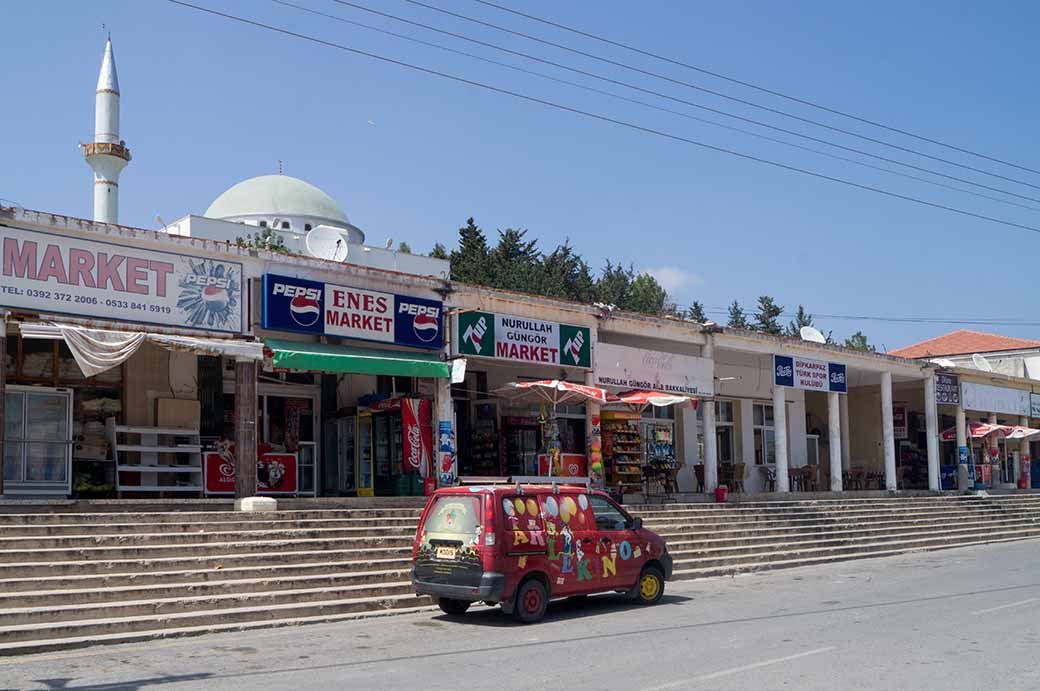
(649, 586)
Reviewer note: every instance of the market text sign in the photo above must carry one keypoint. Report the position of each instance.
(634, 368)
(947, 389)
(56, 273)
(811, 375)
(298, 304)
(523, 339)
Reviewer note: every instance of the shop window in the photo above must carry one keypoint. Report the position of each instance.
(285, 225)
(652, 412)
(263, 224)
(723, 412)
(764, 435)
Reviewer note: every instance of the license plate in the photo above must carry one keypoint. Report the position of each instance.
(445, 552)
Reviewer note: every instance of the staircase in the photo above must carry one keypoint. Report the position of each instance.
(78, 579)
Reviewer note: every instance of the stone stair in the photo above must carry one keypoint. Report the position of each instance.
(78, 579)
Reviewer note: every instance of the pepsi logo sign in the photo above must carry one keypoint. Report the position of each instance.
(208, 281)
(305, 311)
(425, 320)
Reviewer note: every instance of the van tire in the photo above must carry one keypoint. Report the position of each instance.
(453, 608)
(531, 600)
(649, 589)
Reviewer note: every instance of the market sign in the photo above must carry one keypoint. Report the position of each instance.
(312, 307)
(947, 389)
(522, 339)
(994, 399)
(634, 368)
(46, 272)
(811, 375)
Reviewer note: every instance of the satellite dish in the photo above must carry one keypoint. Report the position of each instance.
(981, 363)
(811, 333)
(326, 242)
(943, 362)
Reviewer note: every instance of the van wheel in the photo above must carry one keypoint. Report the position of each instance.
(649, 589)
(454, 608)
(531, 601)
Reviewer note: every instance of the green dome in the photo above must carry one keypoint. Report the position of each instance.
(276, 195)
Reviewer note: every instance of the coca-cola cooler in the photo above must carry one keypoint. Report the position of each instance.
(402, 442)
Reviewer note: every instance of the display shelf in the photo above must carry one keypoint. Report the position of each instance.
(160, 468)
(145, 455)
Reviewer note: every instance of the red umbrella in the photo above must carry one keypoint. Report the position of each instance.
(977, 430)
(555, 391)
(641, 399)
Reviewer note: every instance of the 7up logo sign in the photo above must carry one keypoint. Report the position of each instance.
(575, 346)
(476, 334)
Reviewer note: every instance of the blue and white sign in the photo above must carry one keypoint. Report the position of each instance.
(811, 375)
(305, 306)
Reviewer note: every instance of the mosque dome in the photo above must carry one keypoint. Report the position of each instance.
(281, 202)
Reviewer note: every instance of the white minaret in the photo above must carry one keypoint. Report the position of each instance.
(107, 154)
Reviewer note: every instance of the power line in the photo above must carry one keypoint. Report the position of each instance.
(719, 94)
(757, 87)
(646, 104)
(900, 320)
(634, 87)
(599, 117)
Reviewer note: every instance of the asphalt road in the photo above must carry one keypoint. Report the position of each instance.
(959, 619)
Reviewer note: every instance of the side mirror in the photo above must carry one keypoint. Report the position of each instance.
(637, 523)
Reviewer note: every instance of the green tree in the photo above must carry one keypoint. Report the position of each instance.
(801, 318)
(614, 284)
(766, 318)
(267, 239)
(858, 341)
(565, 275)
(404, 248)
(695, 312)
(439, 252)
(737, 317)
(516, 263)
(646, 295)
(470, 261)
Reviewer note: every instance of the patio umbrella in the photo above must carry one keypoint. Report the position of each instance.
(977, 430)
(640, 399)
(554, 392)
(1020, 432)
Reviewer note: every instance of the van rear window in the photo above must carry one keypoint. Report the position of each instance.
(458, 515)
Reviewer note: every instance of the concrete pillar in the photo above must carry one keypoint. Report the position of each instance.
(711, 448)
(965, 480)
(783, 482)
(931, 416)
(687, 430)
(754, 479)
(888, 434)
(3, 394)
(1024, 461)
(245, 429)
(446, 465)
(835, 434)
(846, 433)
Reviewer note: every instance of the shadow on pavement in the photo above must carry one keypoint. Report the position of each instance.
(560, 610)
(70, 683)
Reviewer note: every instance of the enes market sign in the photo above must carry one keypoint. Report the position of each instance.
(522, 339)
(298, 304)
(69, 275)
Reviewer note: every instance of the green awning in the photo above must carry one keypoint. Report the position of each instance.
(325, 357)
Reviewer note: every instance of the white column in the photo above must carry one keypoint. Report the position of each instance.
(964, 481)
(711, 448)
(931, 419)
(1022, 468)
(992, 455)
(783, 482)
(888, 434)
(754, 480)
(846, 433)
(687, 431)
(835, 435)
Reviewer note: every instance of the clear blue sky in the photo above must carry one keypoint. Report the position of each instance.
(206, 103)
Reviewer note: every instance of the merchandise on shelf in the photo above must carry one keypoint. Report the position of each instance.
(659, 462)
(622, 452)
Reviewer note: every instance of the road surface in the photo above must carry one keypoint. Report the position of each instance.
(958, 619)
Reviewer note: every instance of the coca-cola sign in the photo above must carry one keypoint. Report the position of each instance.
(418, 435)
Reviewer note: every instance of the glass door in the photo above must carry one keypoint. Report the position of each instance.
(381, 454)
(345, 451)
(287, 425)
(38, 443)
(364, 455)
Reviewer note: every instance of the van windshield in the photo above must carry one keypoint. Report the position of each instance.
(456, 515)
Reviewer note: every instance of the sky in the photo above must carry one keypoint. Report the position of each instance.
(207, 103)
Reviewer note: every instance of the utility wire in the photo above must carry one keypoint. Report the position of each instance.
(750, 85)
(775, 111)
(646, 104)
(596, 116)
(900, 320)
(634, 87)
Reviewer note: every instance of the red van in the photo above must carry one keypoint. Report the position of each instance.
(521, 545)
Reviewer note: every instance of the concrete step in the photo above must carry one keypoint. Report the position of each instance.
(28, 568)
(95, 581)
(202, 516)
(41, 597)
(210, 619)
(102, 539)
(109, 528)
(211, 602)
(146, 552)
